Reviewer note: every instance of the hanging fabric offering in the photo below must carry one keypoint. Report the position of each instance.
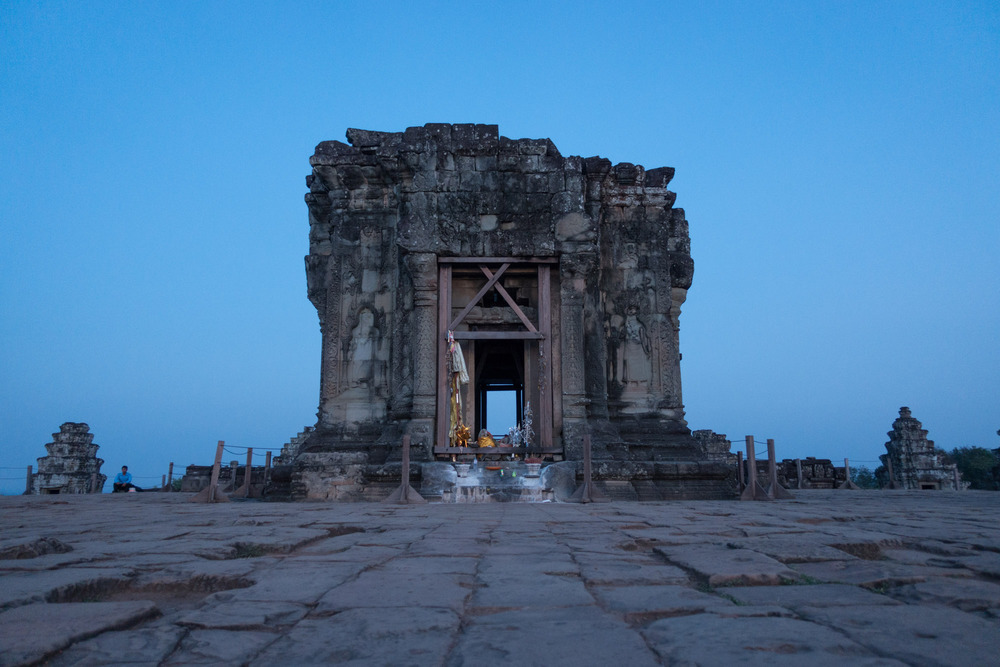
(457, 359)
(458, 434)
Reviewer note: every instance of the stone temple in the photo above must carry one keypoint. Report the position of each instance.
(72, 465)
(914, 461)
(454, 269)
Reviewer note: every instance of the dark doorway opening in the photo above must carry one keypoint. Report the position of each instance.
(499, 379)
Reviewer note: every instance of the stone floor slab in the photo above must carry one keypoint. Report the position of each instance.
(724, 566)
(219, 647)
(244, 615)
(963, 594)
(539, 584)
(873, 574)
(605, 570)
(545, 590)
(709, 639)
(545, 637)
(145, 647)
(384, 589)
(657, 601)
(20, 588)
(918, 635)
(374, 636)
(33, 632)
(819, 595)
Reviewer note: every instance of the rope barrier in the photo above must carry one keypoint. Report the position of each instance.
(265, 449)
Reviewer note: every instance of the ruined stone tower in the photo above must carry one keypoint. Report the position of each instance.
(915, 463)
(560, 278)
(72, 465)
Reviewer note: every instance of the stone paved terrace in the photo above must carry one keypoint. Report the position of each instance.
(832, 577)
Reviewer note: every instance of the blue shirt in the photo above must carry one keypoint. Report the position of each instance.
(123, 478)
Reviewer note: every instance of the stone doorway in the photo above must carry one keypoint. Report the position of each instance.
(499, 374)
(499, 312)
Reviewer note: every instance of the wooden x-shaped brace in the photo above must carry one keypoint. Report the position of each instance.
(491, 283)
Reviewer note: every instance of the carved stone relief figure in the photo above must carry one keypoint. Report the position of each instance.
(362, 353)
(614, 328)
(636, 370)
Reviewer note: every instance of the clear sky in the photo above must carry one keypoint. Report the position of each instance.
(839, 163)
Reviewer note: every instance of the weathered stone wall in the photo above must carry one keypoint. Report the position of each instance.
(72, 465)
(231, 477)
(816, 473)
(385, 206)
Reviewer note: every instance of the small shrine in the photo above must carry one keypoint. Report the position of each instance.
(912, 462)
(72, 465)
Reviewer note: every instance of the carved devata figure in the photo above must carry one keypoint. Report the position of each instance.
(365, 339)
(556, 280)
(636, 369)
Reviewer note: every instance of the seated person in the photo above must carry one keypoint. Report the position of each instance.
(123, 481)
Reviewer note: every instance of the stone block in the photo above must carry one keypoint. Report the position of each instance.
(387, 589)
(139, 647)
(722, 566)
(924, 635)
(384, 636)
(815, 595)
(34, 632)
(705, 639)
(244, 615)
(219, 647)
(657, 601)
(580, 635)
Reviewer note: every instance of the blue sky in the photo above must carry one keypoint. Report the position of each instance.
(838, 162)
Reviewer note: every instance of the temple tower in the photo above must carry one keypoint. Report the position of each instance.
(72, 465)
(916, 464)
(559, 280)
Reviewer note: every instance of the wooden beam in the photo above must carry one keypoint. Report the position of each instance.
(510, 302)
(498, 260)
(497, 335)
(444, 314)
(495, 450)
(479, 295)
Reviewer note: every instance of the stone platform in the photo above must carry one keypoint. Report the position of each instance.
(831, 577)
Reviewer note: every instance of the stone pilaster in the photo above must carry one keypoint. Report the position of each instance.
(575, 270)
(422, 268)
